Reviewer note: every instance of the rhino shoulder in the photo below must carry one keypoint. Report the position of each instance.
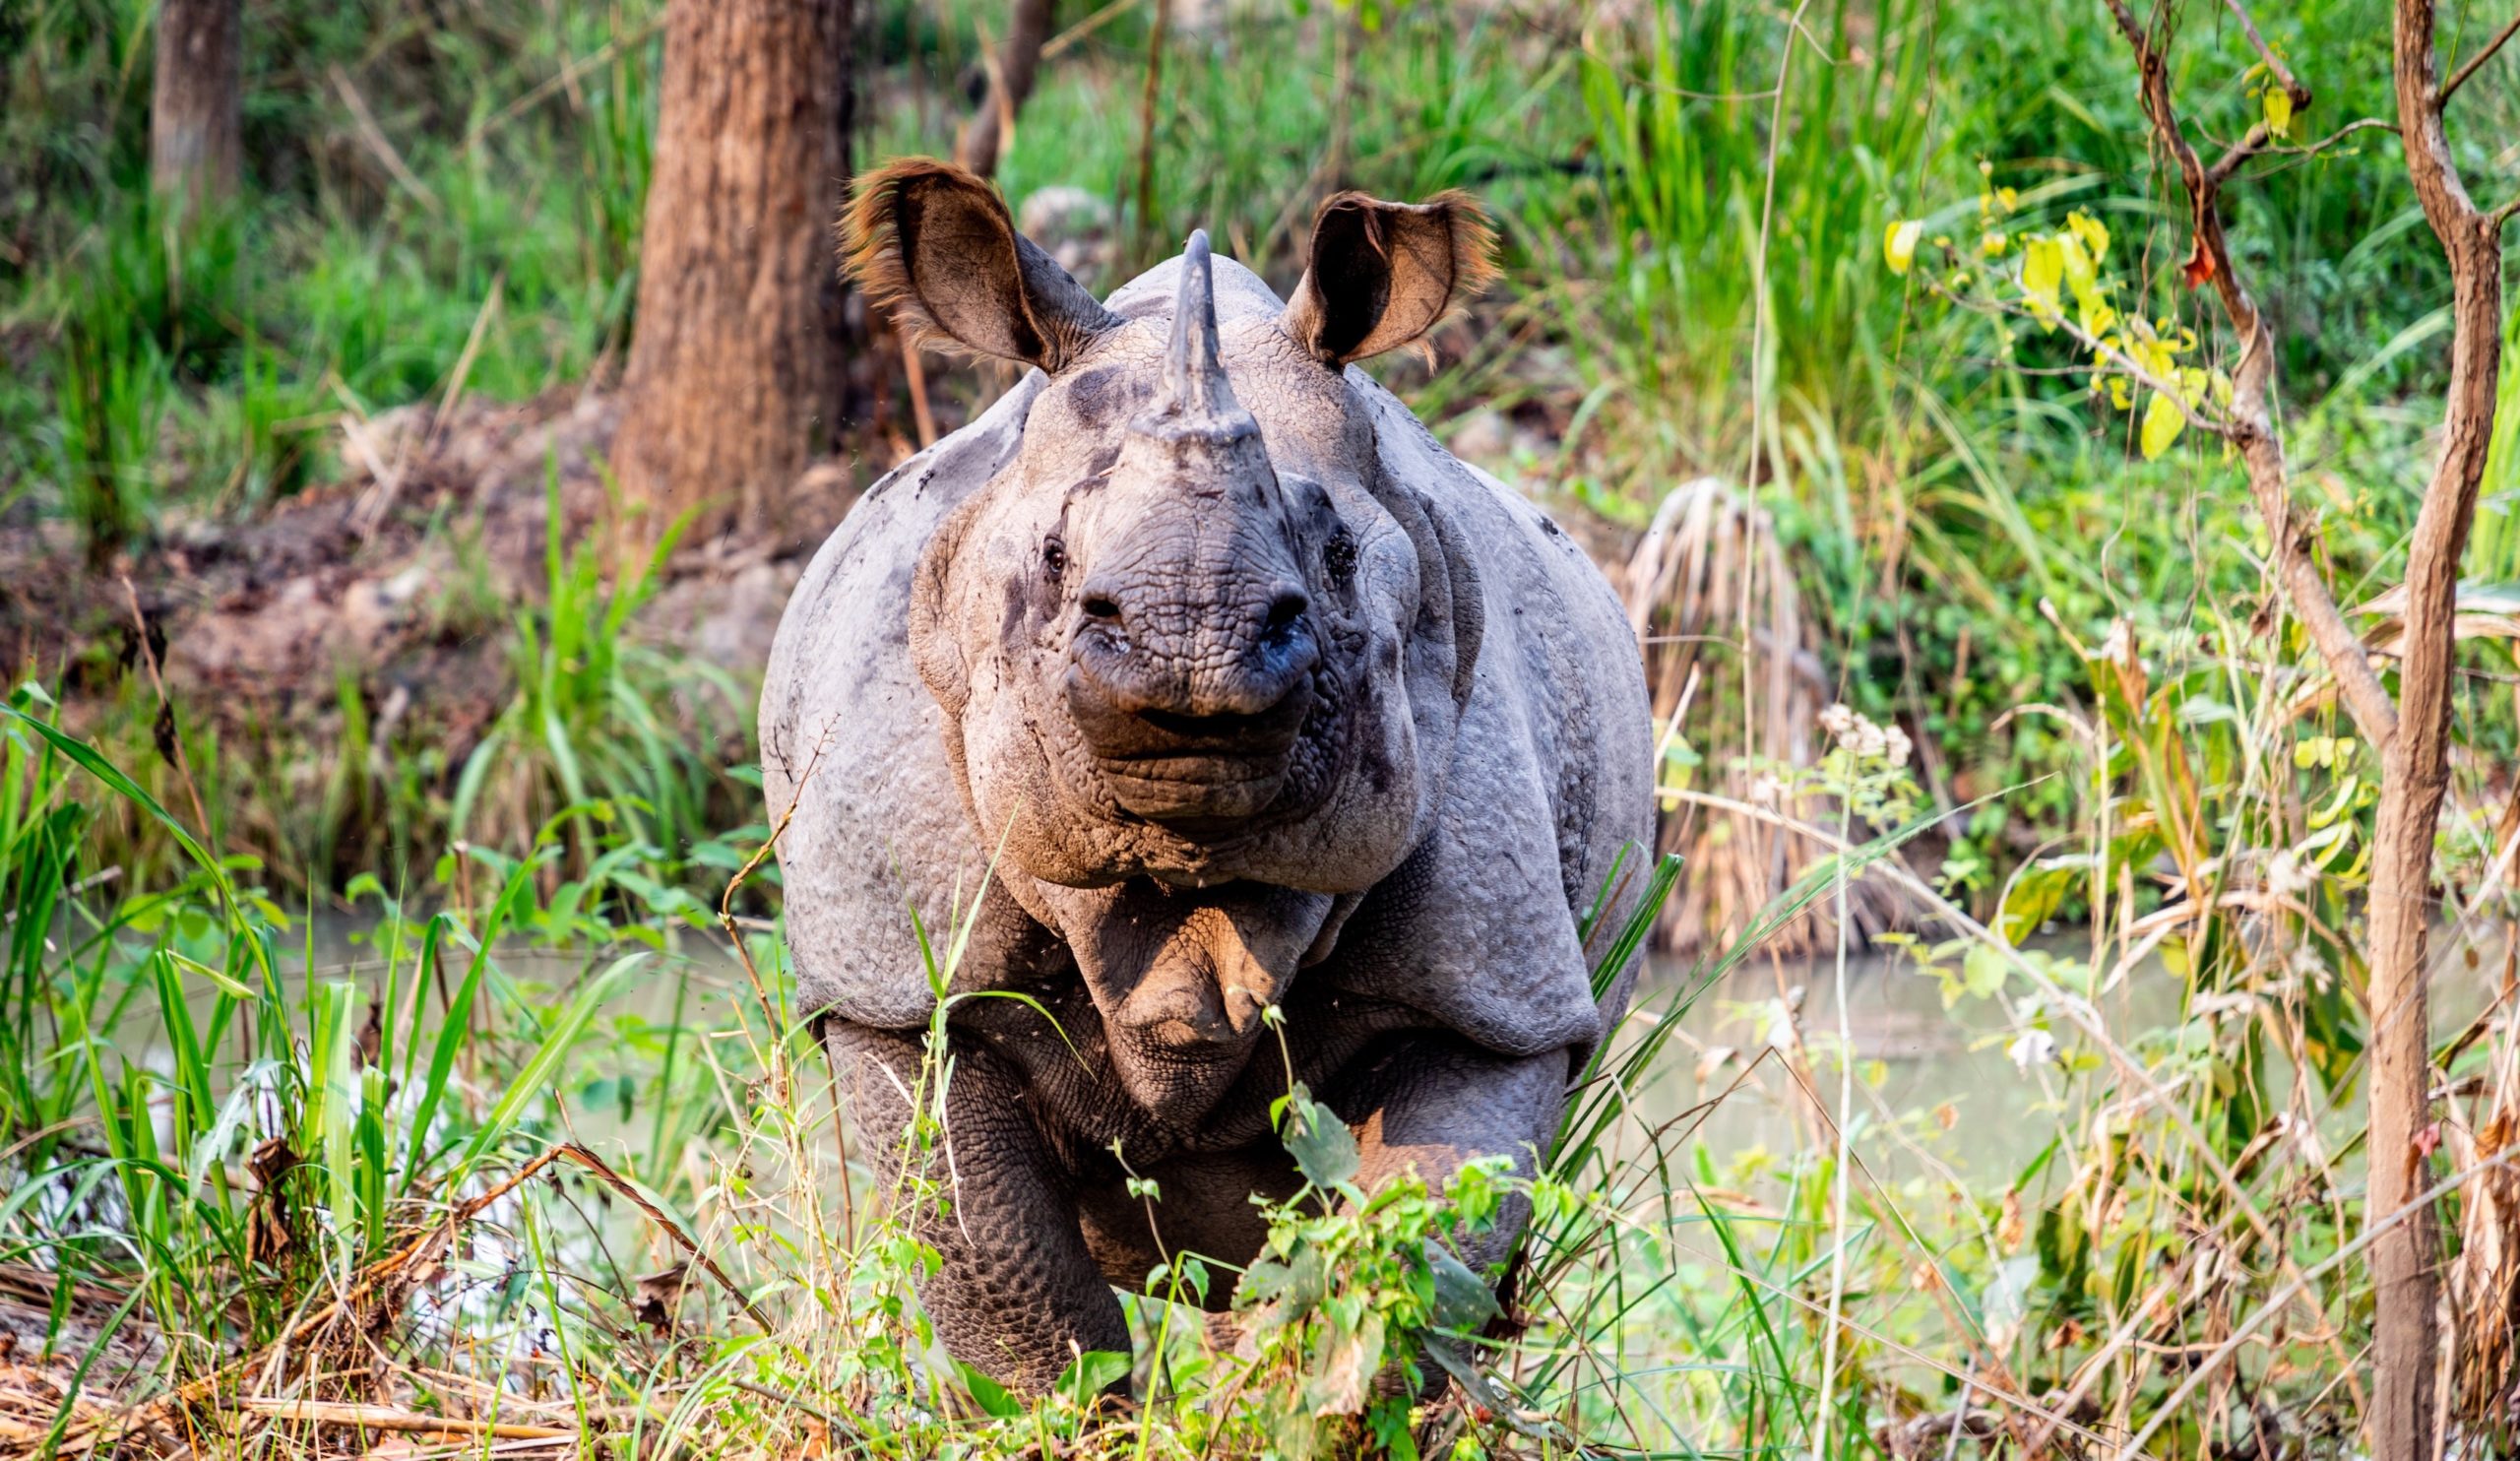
(868, 817)
(1551, 774)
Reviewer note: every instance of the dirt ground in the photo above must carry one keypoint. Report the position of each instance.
(400, 576)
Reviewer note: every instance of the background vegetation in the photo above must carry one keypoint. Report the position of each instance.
(276, 1060)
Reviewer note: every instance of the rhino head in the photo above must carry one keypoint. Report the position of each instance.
(1194, 629)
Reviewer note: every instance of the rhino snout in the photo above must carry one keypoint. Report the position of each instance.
(1198, 725)
(1181, 1012)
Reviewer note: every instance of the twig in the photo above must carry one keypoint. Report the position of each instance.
(914, 372)
(2459, 78)
(798, 1402)
(2252, 384)
(464, 360)
(373, 136)
(1058, 43)
(613, 1180)
(2282, 72)
(566, 75)
(393, 1418)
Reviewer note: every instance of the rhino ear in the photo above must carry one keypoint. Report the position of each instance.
(1382, 274)
(935, 246)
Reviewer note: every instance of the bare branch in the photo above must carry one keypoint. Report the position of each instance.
(2459, 78)
(1011, 74)
(2252, 142)
(2282, 73)
(2251, 425)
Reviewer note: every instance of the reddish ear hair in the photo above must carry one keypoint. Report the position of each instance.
(1381, 275)
(934, 246)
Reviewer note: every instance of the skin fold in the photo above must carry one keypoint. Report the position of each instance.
(1200, 680)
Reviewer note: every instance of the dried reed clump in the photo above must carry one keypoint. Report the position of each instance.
(1731, 669)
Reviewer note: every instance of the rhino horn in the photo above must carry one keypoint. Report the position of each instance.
(1194, 407)
(1194, 382)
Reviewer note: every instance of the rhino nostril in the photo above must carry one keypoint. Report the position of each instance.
(1283, 610)
(1097, 607)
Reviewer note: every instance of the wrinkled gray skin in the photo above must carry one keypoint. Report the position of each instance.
(1268, 699)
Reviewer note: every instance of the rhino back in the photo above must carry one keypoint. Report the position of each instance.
(853, 741)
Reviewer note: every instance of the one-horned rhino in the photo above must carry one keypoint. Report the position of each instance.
(1219, 686)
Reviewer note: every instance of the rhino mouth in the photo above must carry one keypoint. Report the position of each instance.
(1199, 772)
(1202, 759)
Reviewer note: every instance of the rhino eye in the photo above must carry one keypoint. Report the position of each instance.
(1054, 558)
(1340, 557)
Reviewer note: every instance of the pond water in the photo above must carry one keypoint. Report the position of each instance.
(1751, 1067)
(1971, 1107)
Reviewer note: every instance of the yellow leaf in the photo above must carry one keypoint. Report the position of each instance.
(2079, 272)
(2162, 422)
(1899, 244)
(2043, 270)
(2092, 232)
(2278, 110)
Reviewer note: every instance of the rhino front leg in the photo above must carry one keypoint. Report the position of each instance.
(1432, 1101)
(1018, 1295)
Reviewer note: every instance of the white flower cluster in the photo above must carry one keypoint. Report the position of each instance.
(2288, 876)
(1865, 741)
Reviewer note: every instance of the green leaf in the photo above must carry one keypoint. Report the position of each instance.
(1899, 244)
(2162, 422)
(1463, 1302)
(1324, 1150)
(988, 1394)
(1984, 971)
(1092, 1373)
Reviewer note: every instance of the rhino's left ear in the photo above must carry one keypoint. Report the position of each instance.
(935, 245)
(1382, 274)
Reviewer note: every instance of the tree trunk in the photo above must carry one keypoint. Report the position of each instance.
(734, 374)
(2406, 1350)
(1010, 85)
(196, 113)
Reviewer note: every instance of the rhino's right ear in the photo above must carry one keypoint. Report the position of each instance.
(935, 246)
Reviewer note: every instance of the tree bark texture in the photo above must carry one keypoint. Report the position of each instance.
(734, 376)
(196, 112)
(2416, 770)
(1010, 86)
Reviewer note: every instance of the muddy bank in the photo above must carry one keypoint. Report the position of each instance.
(401, 579)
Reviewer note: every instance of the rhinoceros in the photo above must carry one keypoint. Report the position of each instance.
(1204, 690)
